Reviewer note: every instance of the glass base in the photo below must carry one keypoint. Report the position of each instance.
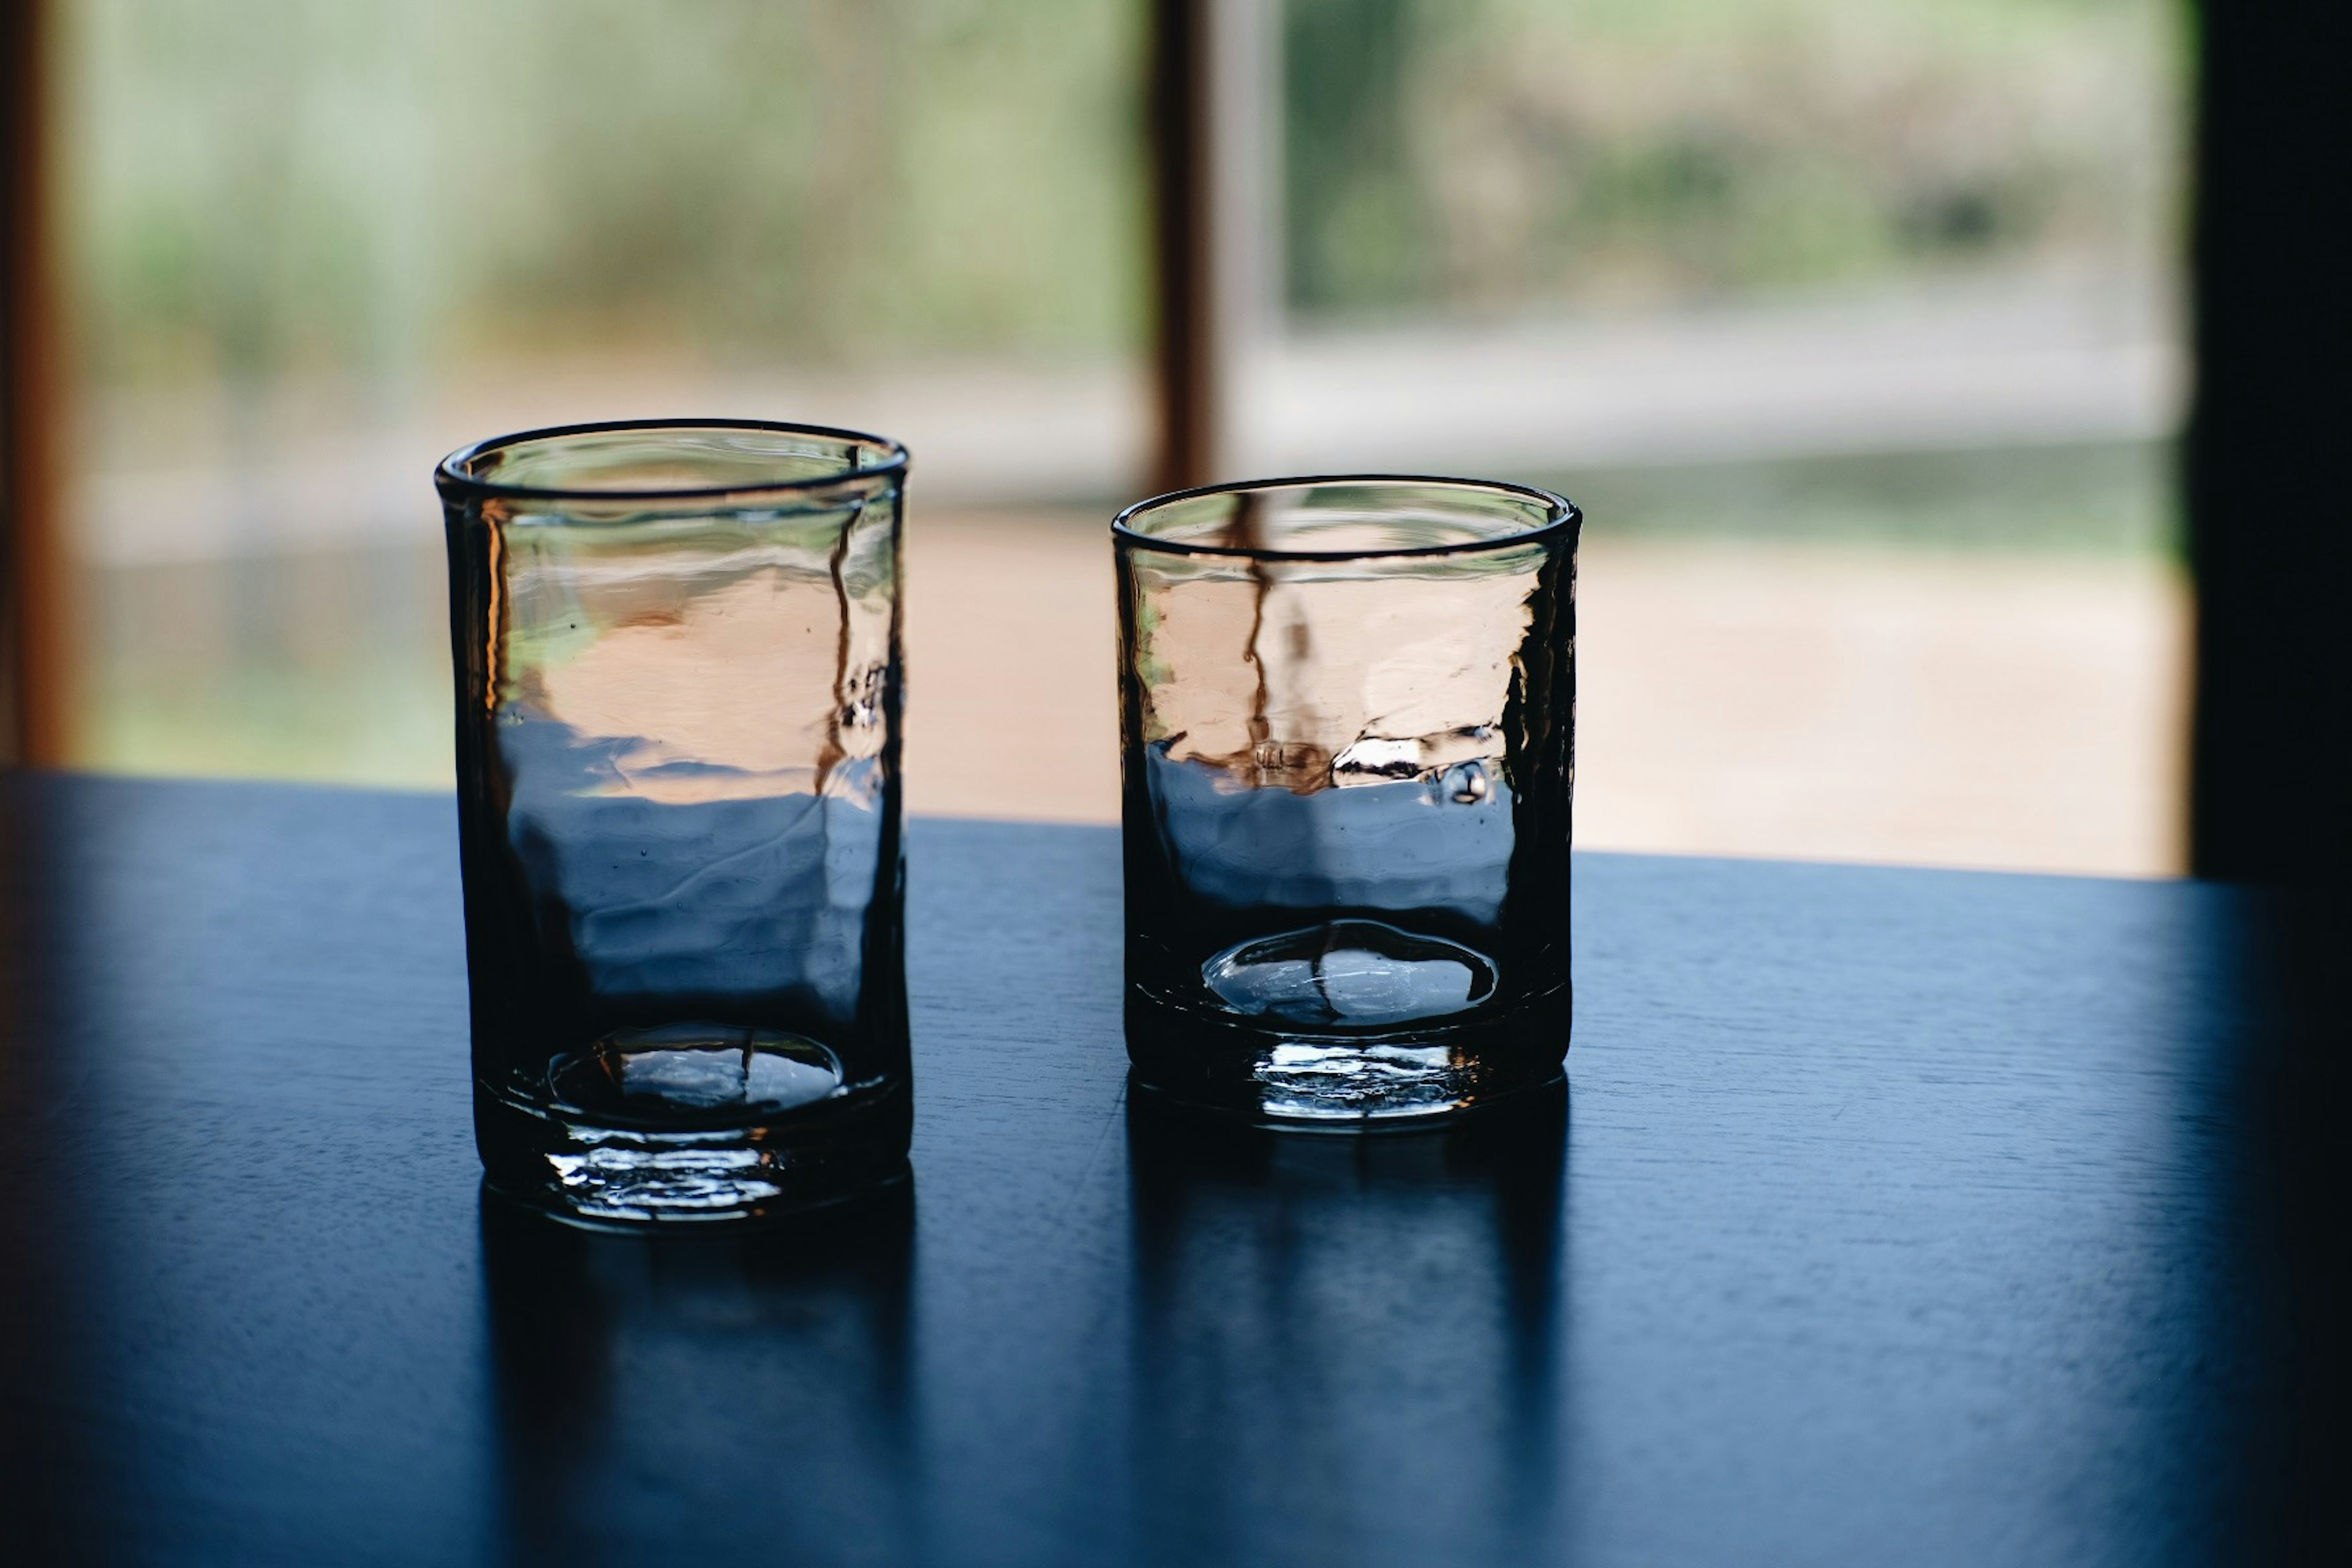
(1367, 1082)
(592, 1172)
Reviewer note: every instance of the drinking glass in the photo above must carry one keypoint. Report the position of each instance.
(677, 670)
(1348, 711)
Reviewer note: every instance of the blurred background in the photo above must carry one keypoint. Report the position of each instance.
(1855, 325)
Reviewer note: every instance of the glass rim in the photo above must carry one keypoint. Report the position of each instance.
(1565, 516)
(449, 474)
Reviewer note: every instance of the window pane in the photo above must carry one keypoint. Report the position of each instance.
(1855, 326)
(316, 244)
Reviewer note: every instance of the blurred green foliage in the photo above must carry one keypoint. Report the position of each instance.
(374, 184)
(1474, 154)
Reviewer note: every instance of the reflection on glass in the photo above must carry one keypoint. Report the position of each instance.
(741, 1398)
(678, 701)
(1294, 1293)
(1347, 709)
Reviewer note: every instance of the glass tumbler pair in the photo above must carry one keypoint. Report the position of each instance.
(1347, 709)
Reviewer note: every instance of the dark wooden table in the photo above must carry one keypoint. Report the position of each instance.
(1893, 1218)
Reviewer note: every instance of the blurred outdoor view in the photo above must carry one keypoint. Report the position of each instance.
(1852, 324)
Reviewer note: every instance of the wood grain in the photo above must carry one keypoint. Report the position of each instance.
(1891, 1216)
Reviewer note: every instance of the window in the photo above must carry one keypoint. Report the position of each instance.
(316, 244)
(1853, 325)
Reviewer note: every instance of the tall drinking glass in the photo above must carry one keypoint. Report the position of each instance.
(1349, 708)
(677, 688)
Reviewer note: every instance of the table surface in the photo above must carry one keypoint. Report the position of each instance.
(1891, 1216)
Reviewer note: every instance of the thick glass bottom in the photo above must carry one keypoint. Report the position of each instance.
(1364, 1081)
(614, 1170)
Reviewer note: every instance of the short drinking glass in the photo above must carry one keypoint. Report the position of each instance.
(1348, 711)
(677, 687)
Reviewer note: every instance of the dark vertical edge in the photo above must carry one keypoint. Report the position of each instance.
(2270, 543)
(2269, 537)
(1184, 340)
(38, 684)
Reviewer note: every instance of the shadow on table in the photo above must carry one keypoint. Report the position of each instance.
(741, 1397)
(1347, 1346)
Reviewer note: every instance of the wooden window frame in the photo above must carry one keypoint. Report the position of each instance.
(36, 677)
